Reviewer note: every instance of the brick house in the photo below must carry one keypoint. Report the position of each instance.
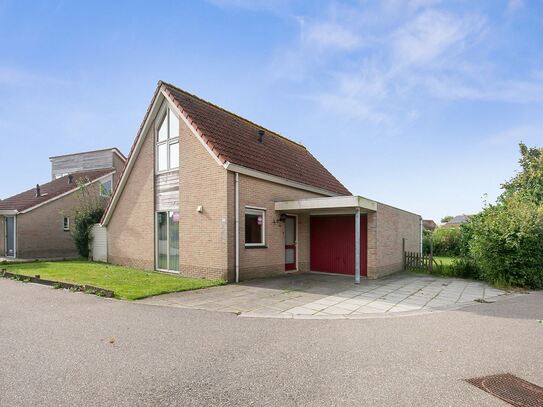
(37, 223)
(207, 193)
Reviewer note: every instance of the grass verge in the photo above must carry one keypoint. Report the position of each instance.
(125, 282)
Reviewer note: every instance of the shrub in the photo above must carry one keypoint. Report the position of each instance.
(446, 241)
(507, 242)
(464, 267)
(83, 222)
(88, 212)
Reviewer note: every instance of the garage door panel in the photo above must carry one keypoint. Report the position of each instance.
(332, 240)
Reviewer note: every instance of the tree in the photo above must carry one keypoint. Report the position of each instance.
(446, 219)
(529, 181)
(88, 212)
(506, 239)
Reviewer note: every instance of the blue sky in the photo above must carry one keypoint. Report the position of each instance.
(415, 103)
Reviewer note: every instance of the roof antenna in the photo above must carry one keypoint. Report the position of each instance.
(38, 190)
(260, 136)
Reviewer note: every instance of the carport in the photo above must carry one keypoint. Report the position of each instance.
(338, 232)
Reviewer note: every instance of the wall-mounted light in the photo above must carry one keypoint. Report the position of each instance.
(200, 209)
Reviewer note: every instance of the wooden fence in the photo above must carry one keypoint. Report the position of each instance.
(417, 261)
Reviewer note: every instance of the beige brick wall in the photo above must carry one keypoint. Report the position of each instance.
(386, 228)
(202, 236)
(118, 164)
(131, 228)
(40, 232)
(258, 262)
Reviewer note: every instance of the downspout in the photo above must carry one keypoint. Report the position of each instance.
(237, 227)
(421, 236)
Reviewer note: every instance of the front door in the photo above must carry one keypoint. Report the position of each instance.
(290, 243)
(10, 236)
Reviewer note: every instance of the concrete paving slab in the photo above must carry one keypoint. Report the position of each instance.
(322, 296)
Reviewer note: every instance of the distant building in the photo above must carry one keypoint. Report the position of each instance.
(429, 224)
(457, 221)
(37, 223)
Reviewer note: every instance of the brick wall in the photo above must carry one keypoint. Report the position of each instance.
(40, 232)
(119, 166)
(131, 228)
(259, 262)
(386, 228)
(202, 236)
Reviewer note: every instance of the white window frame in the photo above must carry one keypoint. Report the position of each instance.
(66, 223)
(166, 270)
(165, 113)
(249, 210)
(102, 183)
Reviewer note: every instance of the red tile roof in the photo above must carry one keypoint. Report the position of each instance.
(50, 190)
(235, 139)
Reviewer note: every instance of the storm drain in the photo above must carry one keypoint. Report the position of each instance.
(511, 389)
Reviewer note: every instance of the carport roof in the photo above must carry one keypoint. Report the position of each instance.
(334, 203)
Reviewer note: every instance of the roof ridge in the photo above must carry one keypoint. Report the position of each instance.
(161, 82)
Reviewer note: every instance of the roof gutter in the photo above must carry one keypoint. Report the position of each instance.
(274, 178)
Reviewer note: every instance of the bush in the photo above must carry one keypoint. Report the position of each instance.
(446, 242)
(464, 267)
(88, 212)
(507, 243)
(83, 222)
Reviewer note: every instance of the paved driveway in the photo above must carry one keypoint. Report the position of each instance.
(323, 296)
(60, 348)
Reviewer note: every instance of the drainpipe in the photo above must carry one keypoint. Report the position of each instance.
(357, 247)
(421, 236)
(237, 227)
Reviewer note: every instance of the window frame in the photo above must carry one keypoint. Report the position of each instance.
(102, 182)
(168, 224)
(251, 210)
(164, 116)
(66, 223)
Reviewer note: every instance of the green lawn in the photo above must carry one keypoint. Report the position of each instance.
(445, 261)
(125, 282)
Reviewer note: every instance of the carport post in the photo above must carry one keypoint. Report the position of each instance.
(357, 248)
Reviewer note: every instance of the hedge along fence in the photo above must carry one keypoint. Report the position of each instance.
(445, 241)
(89, 289)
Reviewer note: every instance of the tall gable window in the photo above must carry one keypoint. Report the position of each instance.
(167, 139)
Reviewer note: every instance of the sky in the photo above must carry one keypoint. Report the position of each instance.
(419, 104)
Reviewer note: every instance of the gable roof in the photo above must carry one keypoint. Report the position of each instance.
(234, 139)
(51, 190)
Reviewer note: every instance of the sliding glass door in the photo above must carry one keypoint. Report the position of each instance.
(167, 244)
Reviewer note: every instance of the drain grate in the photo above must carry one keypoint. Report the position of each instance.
(511, 389)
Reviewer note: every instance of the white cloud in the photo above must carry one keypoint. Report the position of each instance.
(385, 62)
(431, 34)
(514, 5)
(329, 35)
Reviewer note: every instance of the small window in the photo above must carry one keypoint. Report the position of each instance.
(255, 227)
(66, 223)
(106, 187)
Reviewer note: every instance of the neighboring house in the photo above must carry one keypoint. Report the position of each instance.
(207, 193)
(37, 223)
(457, 221)
(429, 224)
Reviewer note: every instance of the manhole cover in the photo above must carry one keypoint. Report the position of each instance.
(511, 389)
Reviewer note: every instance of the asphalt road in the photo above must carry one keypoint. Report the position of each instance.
(59, 348)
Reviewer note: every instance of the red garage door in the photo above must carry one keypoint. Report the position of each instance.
(333, 247)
